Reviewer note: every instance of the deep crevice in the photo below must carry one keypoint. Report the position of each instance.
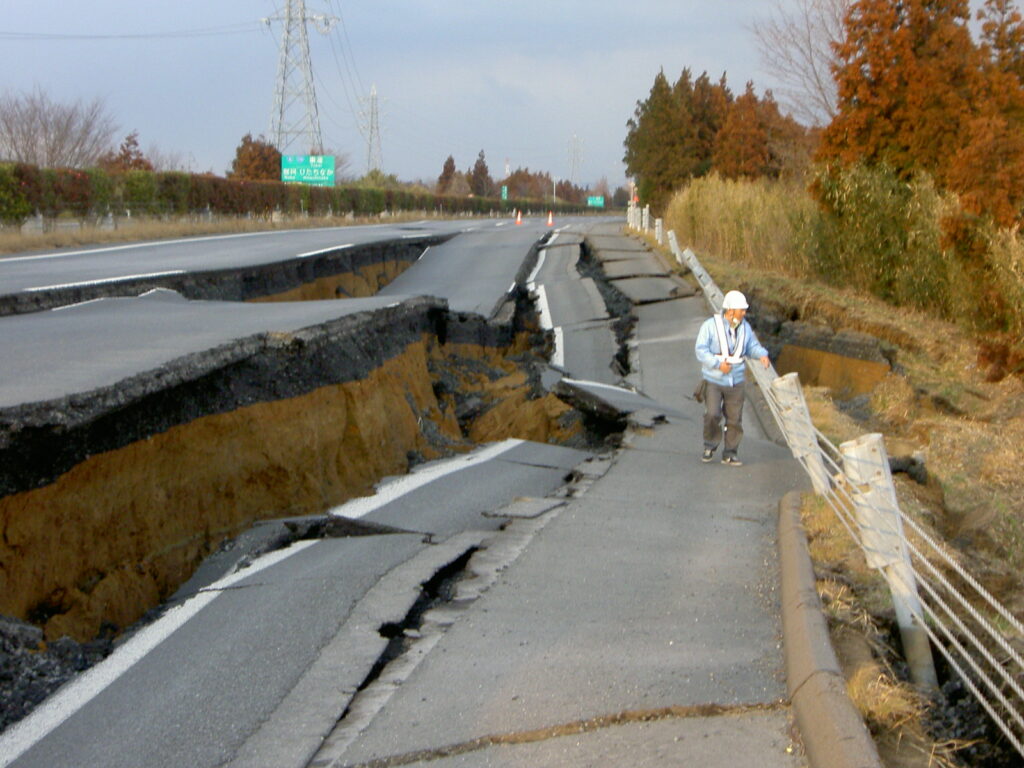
(438, 589)
(619, 307)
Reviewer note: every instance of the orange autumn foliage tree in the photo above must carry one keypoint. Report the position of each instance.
(988, 170)
(741, 146)
(917, 94)
(907, 76)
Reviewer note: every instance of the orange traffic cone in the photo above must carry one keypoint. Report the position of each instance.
(519, 217)
(551, 219)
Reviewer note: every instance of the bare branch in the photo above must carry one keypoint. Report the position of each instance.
(796, 46)
(41, 132)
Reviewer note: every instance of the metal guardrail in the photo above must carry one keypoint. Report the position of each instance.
(939, 604)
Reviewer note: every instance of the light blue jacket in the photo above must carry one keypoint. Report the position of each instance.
(707, 347)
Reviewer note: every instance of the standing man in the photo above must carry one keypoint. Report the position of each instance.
(722, 343)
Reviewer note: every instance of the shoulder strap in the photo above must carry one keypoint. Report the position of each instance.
(736, 355)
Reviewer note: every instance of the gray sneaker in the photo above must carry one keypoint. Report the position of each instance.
(732, 461)
(707, 456)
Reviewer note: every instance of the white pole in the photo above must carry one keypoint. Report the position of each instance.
(876, 509)
(799, 429)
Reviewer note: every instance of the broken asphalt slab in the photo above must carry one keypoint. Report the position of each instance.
(608, 401)
(647, 290)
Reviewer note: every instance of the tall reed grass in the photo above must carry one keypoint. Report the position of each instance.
(758, 223)
(872, 231)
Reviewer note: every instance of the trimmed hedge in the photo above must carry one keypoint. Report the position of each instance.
(26, 191)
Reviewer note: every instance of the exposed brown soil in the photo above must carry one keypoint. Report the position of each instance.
(366, 282)
(173, 497)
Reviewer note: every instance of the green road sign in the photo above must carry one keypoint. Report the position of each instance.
(504, 192)
(308, 169)
(596, 202)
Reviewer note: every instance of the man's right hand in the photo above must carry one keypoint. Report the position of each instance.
(725, 367)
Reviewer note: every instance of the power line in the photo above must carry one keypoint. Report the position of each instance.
(373, 151)
(231, 29)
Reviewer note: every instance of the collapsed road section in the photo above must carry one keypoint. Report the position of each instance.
(340, 271)
(116, 485)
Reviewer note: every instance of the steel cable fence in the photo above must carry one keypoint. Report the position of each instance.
(958, 616)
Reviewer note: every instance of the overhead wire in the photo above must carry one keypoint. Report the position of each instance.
(230, 29)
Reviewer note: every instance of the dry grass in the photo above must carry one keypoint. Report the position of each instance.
(70, 234)
(940, 402)
(748, 222)
(853, 596)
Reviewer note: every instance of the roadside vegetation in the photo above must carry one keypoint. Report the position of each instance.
(897, 214)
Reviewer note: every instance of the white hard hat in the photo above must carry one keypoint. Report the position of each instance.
(734, 300)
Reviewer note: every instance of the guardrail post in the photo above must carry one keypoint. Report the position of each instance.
(659, 232)
(711, 291)
(646, 221)
(866, 465)
(799, 429)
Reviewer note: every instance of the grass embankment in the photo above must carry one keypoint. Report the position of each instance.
(955, 398)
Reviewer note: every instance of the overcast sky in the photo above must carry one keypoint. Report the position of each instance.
(515, 79)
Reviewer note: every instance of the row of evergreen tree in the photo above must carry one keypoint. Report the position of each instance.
(521, 184)
(692, 127)
(918, 95)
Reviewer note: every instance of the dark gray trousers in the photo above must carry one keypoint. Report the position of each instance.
(721, 400)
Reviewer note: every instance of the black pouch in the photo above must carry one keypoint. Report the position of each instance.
(700, 391)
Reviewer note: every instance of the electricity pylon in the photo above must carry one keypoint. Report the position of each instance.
(295, 115)
(374, 161)
(575, 158)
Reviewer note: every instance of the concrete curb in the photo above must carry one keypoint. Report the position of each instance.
(832, 730)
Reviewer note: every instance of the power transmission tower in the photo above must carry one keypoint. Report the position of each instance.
(575, 158)
(373, 153)
(295, 115)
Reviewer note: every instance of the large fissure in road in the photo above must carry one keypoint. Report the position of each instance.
(347, 271)
(111, 499)
(142, 493)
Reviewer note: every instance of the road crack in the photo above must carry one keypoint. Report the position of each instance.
(564, 729)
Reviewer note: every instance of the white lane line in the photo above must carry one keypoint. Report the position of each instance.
(545, 311)
(24, 734)
(108, 280)
(558, 354)
(152, 244)
(533, 275)
(599, 385)
(77, 304)
(667, 339)
(400, 486)
(323, 250)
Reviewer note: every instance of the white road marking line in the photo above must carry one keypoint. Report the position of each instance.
(323, 250)
(77, 304)
(599, 385)
(24, 734)
(151, 244)
(400, 486)
(533, 275)
(107, 280)
(542, 307)
(558, 354)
